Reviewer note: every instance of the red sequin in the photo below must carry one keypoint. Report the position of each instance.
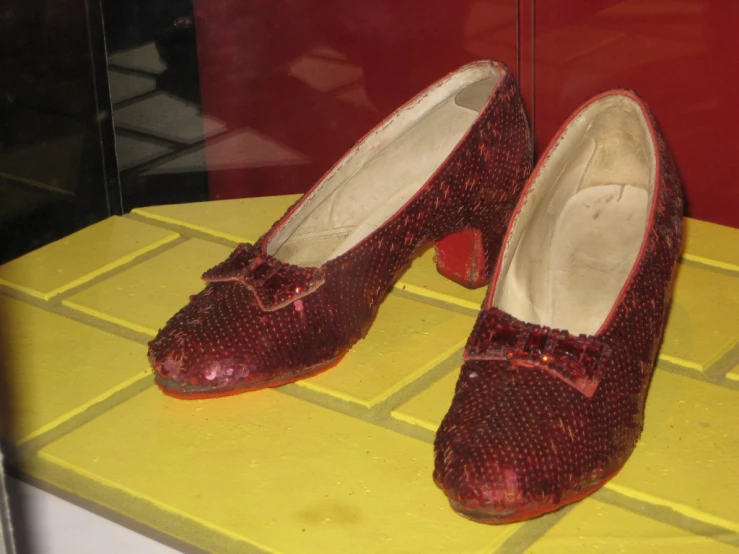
(523, 439)
(244, 331)
(578, 361)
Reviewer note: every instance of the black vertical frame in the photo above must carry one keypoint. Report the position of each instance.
(104, 119)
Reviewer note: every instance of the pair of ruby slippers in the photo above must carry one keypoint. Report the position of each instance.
(579, 257)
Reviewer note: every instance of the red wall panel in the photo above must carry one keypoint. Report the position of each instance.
(679, 55)
(297, 82)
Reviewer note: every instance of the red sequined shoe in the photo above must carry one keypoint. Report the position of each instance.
(446, 168)
(550, 400)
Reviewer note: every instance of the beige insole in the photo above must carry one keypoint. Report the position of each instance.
(577, 236)
(382, 185)
(595, 242)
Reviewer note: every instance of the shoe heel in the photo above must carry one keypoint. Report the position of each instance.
(465, 258)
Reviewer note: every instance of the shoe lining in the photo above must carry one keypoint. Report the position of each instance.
(384, 171)
(580, 230)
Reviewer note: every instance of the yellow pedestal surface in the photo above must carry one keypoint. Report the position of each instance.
(341, 462)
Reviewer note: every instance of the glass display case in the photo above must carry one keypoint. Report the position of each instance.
(269, 94)
(263, 97)
(57, 156)
(147, 145)
(180, 101)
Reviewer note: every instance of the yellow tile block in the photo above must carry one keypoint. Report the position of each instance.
(712, 244)
(81, 256)
(428, 408)
(267, 469)
(57, 368)
(423, 279)
(733, 375)
(687, 456)
(407, 339)
(593, 526)
(704, 321)
(242, 220)
(146, 295)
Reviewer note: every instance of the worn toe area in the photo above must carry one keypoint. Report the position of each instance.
(517, 442)
(222, 340)
(211, 341)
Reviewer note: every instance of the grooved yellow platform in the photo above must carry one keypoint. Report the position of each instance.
(341, 462)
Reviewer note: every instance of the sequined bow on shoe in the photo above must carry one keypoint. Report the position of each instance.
(578, 361)
(274, 284)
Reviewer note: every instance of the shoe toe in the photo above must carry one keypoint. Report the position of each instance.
(209, 347)
(511, 447)
(222, 343)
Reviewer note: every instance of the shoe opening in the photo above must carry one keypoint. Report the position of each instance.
(577, 236)
(385, 170)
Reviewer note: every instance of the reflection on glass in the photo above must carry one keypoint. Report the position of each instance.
(52, 178)
(285, 87)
